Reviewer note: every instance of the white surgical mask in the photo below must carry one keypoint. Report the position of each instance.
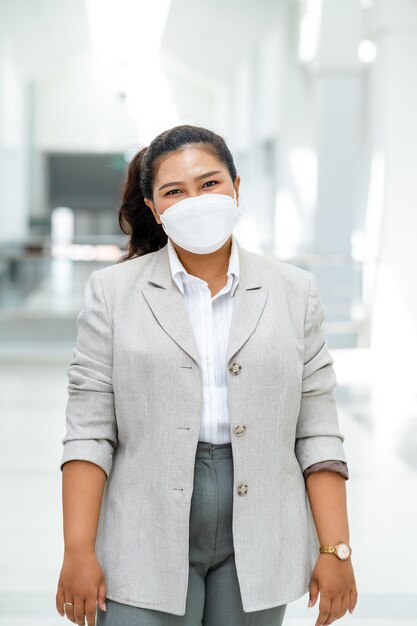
(201, 224)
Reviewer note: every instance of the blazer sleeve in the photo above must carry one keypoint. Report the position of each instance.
(318, 437)
(91, 433)
(332, 466)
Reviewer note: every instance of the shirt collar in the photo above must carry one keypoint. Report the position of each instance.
(181, 276)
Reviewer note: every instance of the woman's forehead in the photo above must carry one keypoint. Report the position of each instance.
(187, 163)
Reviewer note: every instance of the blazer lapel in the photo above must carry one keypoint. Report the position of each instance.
(167, 304)
(250, 299)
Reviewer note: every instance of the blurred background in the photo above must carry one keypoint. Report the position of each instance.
(317, 101)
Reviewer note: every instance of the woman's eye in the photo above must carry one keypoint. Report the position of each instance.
(171, 192)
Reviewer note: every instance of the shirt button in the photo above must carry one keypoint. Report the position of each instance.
(242, 489)
(235, 368)
(240, 430)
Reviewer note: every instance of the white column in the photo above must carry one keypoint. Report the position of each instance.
(14, 150)
(337, 75)
(394, 142)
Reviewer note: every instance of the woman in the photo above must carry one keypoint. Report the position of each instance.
(203, 467)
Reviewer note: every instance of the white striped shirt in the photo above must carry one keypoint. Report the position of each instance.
(210, 319)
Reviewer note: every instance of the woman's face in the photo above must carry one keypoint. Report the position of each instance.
(190, 171)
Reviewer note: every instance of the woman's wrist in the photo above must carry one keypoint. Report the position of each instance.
(79, 550)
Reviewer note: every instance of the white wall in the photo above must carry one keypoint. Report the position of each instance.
(14, 150)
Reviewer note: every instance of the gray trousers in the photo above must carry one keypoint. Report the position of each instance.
(213, 596)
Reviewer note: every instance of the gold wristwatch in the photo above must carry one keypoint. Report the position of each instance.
(341, 550)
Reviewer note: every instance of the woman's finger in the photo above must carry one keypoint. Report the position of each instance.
(59, 601)
(69, 608)
(344, 605)
(324, 609)
(334, 611)
(101, 595)
(90, 610)
(79, 610)
(353, 598)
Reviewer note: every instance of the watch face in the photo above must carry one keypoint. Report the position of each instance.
(343, 551)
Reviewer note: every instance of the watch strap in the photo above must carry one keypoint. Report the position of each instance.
(334, 550)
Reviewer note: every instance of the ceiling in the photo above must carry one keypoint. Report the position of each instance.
(42, 36)
(197, 34)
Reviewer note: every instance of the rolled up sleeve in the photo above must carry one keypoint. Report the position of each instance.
(318, 437)
(91, 428)
(332, 466)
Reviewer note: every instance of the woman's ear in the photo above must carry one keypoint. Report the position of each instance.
(151, 205)
(236, 186)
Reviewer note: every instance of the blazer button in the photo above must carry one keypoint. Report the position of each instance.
(242, 489)
(240, 430)
(235, 368)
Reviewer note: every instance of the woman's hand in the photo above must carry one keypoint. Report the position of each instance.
(81, 582)
(336, 582)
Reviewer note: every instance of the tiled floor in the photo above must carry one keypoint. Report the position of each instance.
(380, 444)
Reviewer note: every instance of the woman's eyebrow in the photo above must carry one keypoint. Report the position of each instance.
(180, 182)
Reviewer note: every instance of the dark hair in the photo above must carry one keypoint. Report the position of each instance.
(135, 217)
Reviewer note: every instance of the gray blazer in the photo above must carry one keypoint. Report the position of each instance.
(134, 407)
